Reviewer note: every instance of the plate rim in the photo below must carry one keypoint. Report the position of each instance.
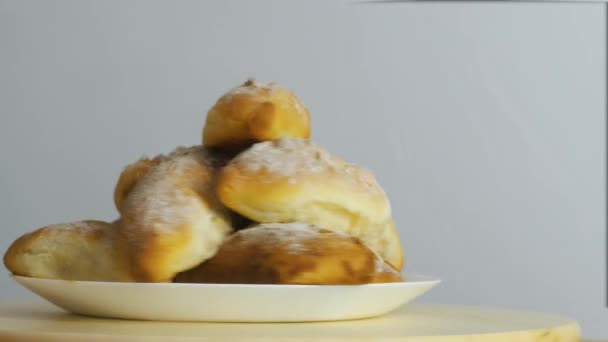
(423, 280)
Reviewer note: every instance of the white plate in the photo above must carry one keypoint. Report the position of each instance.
(228, 302)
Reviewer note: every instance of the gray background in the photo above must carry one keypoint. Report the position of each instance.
(485, 122)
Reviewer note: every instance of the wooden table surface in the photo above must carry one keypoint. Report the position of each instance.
(39, 321)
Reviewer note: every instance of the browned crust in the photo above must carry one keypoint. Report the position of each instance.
(261, 113)
(327, 259)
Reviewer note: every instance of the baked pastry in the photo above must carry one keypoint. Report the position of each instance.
(291, 253)
(84, 250)
(171, 218)
(295, 180)
(256, 165)
(133, 172)
(130, 176)
(255, 112)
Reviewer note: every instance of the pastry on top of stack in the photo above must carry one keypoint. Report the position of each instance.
(255, 112)
(301, 215)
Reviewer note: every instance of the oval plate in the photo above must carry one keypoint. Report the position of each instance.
(228, 302)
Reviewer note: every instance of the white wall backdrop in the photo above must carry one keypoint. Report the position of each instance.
(485, 122)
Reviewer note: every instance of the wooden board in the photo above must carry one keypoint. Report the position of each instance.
(39, 321)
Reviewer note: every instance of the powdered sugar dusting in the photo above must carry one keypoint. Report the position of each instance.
(162, 200)
(295, 104)
(182, 151)
(380, 266)
(104, 231)
(292, 236)
(290, 157)
(285, 157)
(298, 106)
(251, 86)
(83, 226)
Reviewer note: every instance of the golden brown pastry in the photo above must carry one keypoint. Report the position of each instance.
(255, 112)
(295, 180)
(84, 250)
(130, 176)
(172, 219)
(291, 253)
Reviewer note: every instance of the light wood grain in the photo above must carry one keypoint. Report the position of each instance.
(39, 321)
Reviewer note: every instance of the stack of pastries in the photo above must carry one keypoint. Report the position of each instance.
(257, 203)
